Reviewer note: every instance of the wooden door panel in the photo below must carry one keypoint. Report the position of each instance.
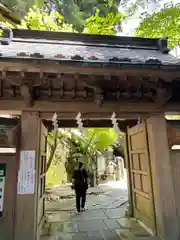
(140, 171)
(145, 183)
(137, 181)
(137, 141)
(143, 162)
(135, 161)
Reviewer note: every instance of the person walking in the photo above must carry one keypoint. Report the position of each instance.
(80, 185)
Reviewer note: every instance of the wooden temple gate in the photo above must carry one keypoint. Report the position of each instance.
(95, 75)
(141, 175)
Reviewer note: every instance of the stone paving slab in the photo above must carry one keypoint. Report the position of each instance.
(95, 235)
(104, 219)
(62, 204)
(111, 224)
(66, 227)
(71, 236)
(94, 214)
(58, 217)
(110, 235)
(91, 225)
(127, 223)
(125, 234)
(115, 213)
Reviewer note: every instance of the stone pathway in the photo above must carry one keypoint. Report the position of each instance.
(104, 220)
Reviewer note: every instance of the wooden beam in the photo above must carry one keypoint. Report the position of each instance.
(26, 93)
(42, 66)
(89, 109)
(83, 106)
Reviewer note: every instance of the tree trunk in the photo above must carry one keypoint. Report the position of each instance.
(52, 152)
(96, 170)
(91, 179)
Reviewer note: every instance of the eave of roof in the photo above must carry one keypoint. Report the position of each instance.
(92, 64)
(87, 50)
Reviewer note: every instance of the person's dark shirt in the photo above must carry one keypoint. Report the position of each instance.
(80, 177)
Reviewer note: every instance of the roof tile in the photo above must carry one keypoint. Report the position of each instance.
(81, 51)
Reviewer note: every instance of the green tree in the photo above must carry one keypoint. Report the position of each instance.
(37, 19)
(101, 138)
(75, 12)
(94, 140)
(165, 23)
(105, 25)
(88, 145)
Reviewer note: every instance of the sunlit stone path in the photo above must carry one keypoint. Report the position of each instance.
(104, 218)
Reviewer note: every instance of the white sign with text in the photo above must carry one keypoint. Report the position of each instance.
(26, 175)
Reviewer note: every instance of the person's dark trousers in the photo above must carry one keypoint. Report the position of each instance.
(83, 198)
(80, 198)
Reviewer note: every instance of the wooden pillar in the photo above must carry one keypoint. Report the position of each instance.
(164, 197)
(26, 205)
(127, 165)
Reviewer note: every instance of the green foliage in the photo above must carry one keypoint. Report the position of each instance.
(102, 138)
(37, 19)
(71, 144)
(165, 23)
(104, 25)
(57, 152)
(75, 12)
(56, 174)
(52, 140)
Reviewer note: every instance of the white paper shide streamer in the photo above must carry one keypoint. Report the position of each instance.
(139, 121)
(80, 123)
(55, 121)
(115, 123)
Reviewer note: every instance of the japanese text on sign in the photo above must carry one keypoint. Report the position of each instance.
(26, 175)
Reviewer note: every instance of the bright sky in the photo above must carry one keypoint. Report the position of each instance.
(130, 25)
